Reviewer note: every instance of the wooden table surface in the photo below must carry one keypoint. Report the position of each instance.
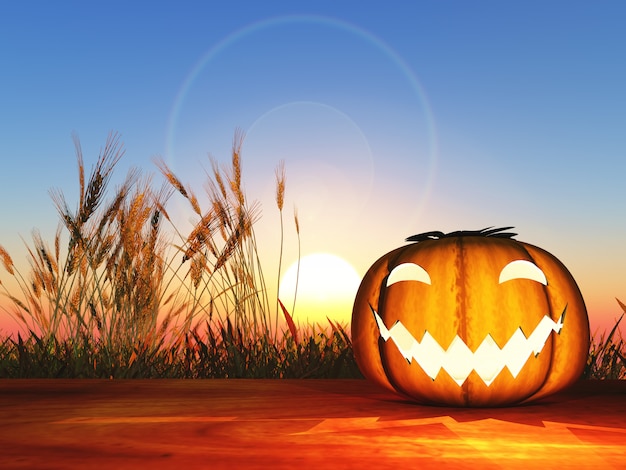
(297, 424)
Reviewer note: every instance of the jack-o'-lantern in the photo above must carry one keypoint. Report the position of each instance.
(470, 318)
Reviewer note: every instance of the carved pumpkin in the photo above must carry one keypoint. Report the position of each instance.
(470, 318)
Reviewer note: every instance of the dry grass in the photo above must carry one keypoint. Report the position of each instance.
(115, 297)
(607, 354)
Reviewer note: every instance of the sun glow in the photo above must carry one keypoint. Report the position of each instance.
(326, 287)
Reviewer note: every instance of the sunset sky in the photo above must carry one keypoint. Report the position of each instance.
(392, 120)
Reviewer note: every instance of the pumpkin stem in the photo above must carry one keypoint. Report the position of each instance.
(486, 232)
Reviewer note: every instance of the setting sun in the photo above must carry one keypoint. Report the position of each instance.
(326, 287)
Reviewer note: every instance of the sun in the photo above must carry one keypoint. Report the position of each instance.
(326, 287)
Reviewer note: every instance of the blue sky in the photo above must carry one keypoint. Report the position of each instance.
(392, 118)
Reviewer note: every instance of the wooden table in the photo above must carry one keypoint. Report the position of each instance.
(274, 424)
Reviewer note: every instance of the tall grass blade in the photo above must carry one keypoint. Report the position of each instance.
(290, 323)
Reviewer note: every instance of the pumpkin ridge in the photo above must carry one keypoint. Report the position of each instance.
(551, 315)
(461, 302)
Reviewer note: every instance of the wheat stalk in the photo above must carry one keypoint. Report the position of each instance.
(187, 193)
(235, 181)
(7, 262)
(280, 200)
(295, 290)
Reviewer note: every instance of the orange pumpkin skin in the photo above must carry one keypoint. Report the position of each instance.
(466, 299)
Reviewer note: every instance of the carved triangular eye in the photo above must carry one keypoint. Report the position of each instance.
(522, 269)
(408, 272)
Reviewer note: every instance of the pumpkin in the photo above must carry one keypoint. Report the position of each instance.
(470, 318)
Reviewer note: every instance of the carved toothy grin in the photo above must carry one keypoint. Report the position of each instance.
(458, 360)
